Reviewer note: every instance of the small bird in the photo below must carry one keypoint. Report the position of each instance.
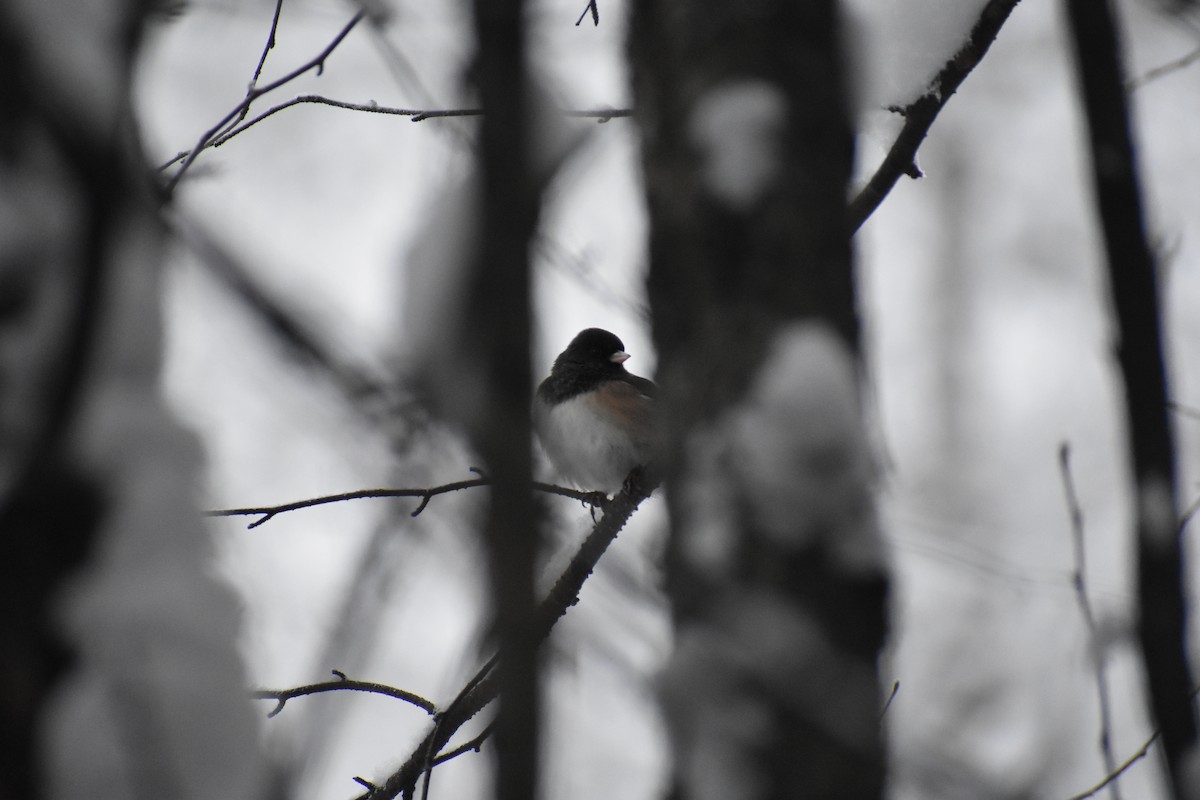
(595, 419)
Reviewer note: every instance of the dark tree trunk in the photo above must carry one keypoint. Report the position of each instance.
(776, 571)
(1134, 284)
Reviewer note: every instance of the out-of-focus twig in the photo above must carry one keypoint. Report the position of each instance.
(1079, 579)
(1174, 65)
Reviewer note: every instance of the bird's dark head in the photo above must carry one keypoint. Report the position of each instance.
(594, 349)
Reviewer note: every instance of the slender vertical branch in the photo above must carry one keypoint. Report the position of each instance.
(1079, 579)
(1133, 278)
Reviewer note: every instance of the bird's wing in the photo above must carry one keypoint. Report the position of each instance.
(630, 401)
(642, 385)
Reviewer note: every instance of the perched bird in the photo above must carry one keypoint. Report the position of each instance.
(595, 419)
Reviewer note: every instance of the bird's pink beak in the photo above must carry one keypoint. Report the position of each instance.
(619, 357)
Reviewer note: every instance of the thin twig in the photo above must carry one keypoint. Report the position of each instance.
(1174, 65)
(1129, 762)
(1188, 513)
(601, 115)
(594, 9)
(342, 684)
(434, 740)
(266, 513)
(1184, 410)
(1079, 579)
(466, 747)
(1116, 773)
(317, 63)
(262, 61)
(891, 697)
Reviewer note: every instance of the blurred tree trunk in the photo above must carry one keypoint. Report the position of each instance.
(119, 671)
(777, 569)
(497, 322)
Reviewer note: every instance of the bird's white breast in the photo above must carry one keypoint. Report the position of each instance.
(585, 444)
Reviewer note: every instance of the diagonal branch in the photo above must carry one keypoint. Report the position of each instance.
(592, 9)
(1119, 771)
(253, 93)
(484, 687)
(920, 114)
(1174, 65)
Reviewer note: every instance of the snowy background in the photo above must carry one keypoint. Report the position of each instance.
(988, 337)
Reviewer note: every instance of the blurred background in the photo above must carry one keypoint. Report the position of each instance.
(989, 346)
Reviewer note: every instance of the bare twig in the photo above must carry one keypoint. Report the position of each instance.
(1184, 410)
(595, 11)
(888, 703)
(1183, 62)
(342, 684)
(262, 60)
(1079, 579)
(266, 513)
(434, 740)
(1116, 773)
(1129, 762)
(465, 747)
(601, 115)
(255, 92)
(920, 114)
(1188, 513)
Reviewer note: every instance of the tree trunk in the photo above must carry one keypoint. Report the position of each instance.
(777, 570)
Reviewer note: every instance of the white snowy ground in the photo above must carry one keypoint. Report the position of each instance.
(983, 297)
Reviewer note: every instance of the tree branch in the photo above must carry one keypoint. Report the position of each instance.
(1163, 70)
(1079, 579)
(1116, 773)
(592, 9)
(266, 513)
(262, 59)
(920, 114)
(482, 689)
(601, 115)
(253, 93)
(281, 696)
